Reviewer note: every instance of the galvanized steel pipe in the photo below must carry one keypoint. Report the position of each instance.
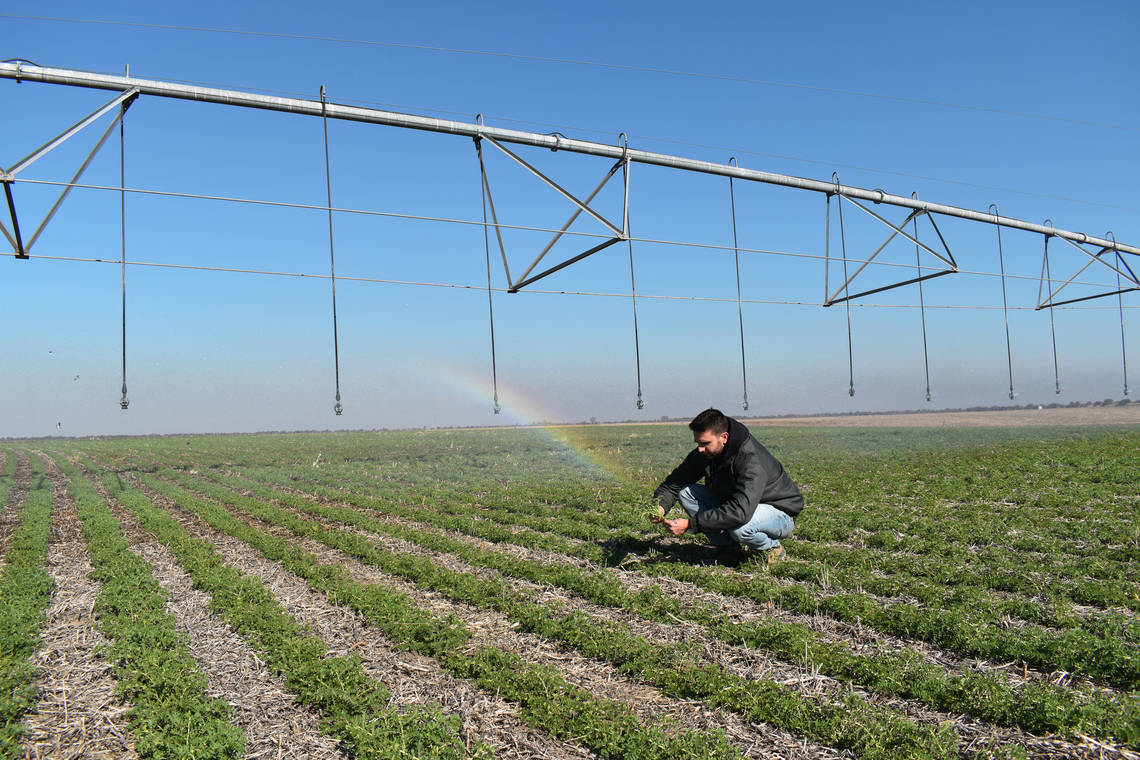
(32, 73)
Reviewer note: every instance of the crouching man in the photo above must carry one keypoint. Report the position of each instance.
(747, 499)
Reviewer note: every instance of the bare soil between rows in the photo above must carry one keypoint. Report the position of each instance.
(600, 678)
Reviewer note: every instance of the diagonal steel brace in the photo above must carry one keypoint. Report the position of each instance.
(1126, 272)
(491, 203)
(947, 259)
(16, 241)
(514, 285)
(558, 235)
(574, 259)
(565, 193)
(123, 100)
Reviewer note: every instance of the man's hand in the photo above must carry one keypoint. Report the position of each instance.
(677, 526)
(658, 516)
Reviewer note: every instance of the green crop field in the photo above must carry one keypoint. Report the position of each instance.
(949, 592)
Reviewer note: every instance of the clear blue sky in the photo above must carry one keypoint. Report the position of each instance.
(1032, 106)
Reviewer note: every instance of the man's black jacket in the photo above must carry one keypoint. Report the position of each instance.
(743, 475)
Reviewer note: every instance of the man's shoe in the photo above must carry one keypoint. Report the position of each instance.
(776, 555)
(730, 556)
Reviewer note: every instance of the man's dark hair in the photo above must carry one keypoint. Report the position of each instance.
(712, 420)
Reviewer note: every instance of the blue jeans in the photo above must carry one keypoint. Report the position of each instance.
(764, 531)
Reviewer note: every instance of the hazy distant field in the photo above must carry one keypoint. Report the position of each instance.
(950, 592)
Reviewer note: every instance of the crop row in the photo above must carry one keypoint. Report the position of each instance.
(546, 699)
(1066, 540)
(1065, 507)
(969, 627)
(1043, 496)
(25, 591)
(947, 559)
(1025, 484)
(1088, 580)
(846, 723)
(820, 573)
(355, 707)
(7, 475)
(925, 578)
(170, 715)
(923, 490)
(1037, 708)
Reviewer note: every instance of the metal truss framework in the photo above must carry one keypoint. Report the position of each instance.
(22, 249)
(516, 284)
(129, 88)
(1109, 253)
(947, 258)
(1121, 268)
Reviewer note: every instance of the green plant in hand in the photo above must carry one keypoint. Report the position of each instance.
(655, 513)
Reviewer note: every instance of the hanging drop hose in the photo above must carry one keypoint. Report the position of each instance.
(1052, 323)
(636, 338)
(337, 407)
(1004, 302)
(921, 304)
(487, 253)
(632, 282)
(739, 305)
(1120, 305)
(846, 293)
(124, 402)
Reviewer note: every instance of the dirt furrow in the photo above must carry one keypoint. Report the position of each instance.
(271, 723)
(78, 714)
(412, 679)
(861, 639)
(744, 662)
(490, 628)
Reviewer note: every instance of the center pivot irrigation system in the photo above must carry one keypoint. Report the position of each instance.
(1104, 252)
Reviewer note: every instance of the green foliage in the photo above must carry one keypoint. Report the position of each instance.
(1032, 708)
(354, 707)
(171, 716)
(1013, 546)
(604, 721)
(595, 638)
(25, 590)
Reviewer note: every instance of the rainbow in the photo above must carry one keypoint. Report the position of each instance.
(525, 411)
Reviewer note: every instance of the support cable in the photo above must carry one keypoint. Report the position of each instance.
(1052, 323)
(523, 228)
(1004, 302)
(489, 199)
(739, 305)
(632, 282)
(1120, 305)
(487, 253)
(846, 299)
(921, 306)
(586, 293)
(337, 407)
(124, 402)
